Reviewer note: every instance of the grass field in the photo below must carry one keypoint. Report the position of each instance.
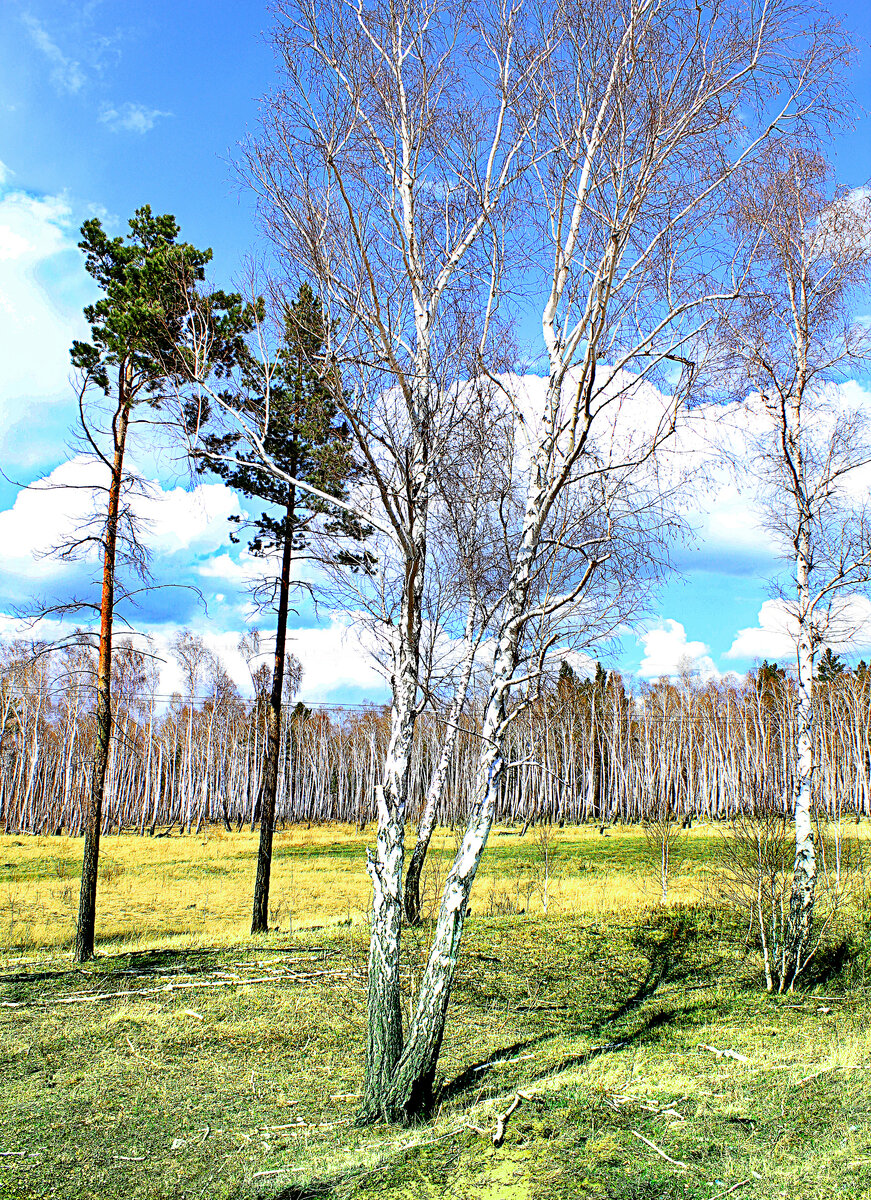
(182, 890)
(191, 1061)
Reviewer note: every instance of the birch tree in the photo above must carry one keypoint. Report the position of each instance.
(633, 144)
(404, 139)
(382, 170)
(794, 337)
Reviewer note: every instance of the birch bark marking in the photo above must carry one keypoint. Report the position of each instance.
(440, 774)
(794, 334)
(805, 872)
(411, 1087)
(84, 946)
(580, 165)
(385, 866)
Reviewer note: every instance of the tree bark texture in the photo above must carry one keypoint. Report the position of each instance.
(801, 907)
(437, 783)
(260, 915)
(385, 865)
(84, 945)
(409, 1093)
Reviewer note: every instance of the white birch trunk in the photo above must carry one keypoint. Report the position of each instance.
(805, 871)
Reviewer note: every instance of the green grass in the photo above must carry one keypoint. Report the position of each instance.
(182, 890)
(235, 1071)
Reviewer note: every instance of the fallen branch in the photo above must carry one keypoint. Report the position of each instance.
(662, 1154)
(502, 1119)
(725, 1053)
(733, 1188)
(84, 997)
(475, 1129)
(497, 1062)
(840, 1067)
(280, 1171)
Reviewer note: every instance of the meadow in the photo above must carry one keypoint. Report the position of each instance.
(634, 1040)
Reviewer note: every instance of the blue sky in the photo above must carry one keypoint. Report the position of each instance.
(106, 105)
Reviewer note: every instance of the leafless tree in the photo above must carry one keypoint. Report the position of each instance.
(638, 108)
(662, 830)
(421, 161)
(792, 335)
(383, 174)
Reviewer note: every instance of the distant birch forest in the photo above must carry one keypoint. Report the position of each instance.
(582, 750)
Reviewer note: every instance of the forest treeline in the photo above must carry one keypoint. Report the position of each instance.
(584, 750)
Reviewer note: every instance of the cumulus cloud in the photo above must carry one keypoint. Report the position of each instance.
(774, 635)
(188, 521)
(43, 287)
(66, 74)
(131, 118)
(668, 653)
(337, 659)
(186, 532)
(180, 528)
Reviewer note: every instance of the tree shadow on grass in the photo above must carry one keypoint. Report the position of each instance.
(666, 963)
(140, 963)
(110, 970)
(312, 1191)
(476, 1073)
(827, 965)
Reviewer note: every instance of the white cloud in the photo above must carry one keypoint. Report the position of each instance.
(668, 653)
(43, 287)
(175, 522)
(131, 118)
(335, 658)
(773, 637)
(187, 535)
(195, 521)
(228, 570)
(41, 517)
(66, 74)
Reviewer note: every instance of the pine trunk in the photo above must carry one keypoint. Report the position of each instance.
(260, 916)
(84, 946)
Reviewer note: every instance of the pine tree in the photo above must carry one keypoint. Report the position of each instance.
(830, 667)
(151, 286)
(307, 440)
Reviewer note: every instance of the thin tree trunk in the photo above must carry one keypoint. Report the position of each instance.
(260, 916)
(385, 865)
(801, 905)
(409, 1093)
(437, 783)
(84, 947)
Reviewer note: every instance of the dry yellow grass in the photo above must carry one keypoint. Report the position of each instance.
(179, 890)
(196, 890)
